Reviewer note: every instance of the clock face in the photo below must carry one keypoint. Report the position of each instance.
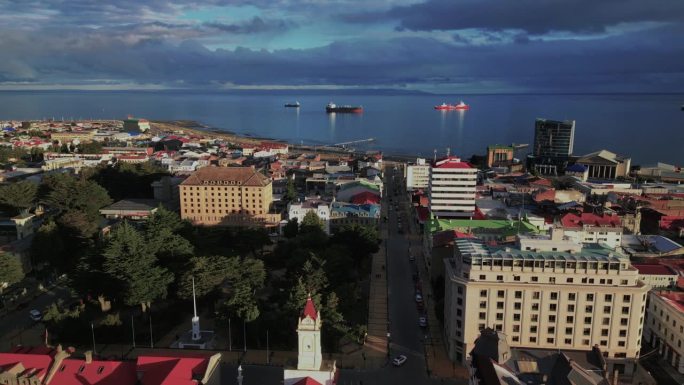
(307, 344)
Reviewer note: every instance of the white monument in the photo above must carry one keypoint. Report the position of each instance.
(195, 338)
(311, 368)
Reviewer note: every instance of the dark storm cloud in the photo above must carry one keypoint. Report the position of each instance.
(609, 64)
(254, 25)
(533, 16)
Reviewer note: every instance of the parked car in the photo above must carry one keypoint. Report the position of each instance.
(35, 315)
(399, 360)
(422, 321)
(419, 298)
(412, 258)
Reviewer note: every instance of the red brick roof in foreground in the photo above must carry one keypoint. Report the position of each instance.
(653, 269)
(307, 381)
(588, 219)
(309, 310)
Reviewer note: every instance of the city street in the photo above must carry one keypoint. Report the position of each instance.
(17, 328)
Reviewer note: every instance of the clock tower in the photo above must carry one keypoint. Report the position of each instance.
(309, 332)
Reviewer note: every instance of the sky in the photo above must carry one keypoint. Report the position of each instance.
(444, 46)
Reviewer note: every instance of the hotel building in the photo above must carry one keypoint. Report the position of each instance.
(553, 144)
(546, 293)
(452, 188)
(227, 196)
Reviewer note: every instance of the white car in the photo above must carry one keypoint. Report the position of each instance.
(422, 321)
(399, 360)
(35, 315)
(419, 298)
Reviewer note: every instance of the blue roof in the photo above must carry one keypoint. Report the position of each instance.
(8, 128)
(576, 168)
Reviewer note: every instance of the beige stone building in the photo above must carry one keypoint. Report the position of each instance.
(544, 294)
(227, 196)
(665, 326)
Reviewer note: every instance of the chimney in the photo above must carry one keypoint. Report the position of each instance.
(88, 357)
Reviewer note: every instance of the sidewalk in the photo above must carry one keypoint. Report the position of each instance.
(376, 341)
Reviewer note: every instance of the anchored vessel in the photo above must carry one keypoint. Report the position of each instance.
(332, 107)
(293, 105)
(459, 106)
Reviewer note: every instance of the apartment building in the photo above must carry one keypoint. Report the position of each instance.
(657, 276)
(418, 175)
(665, 326)
(544, 293)
(319, 207)
(452, 188)
(227, 196)
(592, 228)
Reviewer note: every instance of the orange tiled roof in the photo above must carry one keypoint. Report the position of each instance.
(243, 176)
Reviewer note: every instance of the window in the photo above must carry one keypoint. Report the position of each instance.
(533, 329)
(571, 296)
(606, 321)
(552, 307)
(590, 297)
(551, 329)
(534, 317)
(569, 280)
(604, 343)
(554, 296)
(587, 320)
(517, 306)
(535, 279)
(483, 304)
(516, 339)
(549, 340)
(552, 318)
(533, 340)
(623, 333)
(625, 310)
(626, 298)
(608, 297)
(518, 294)
(483, 293)
(500, 294)
(604, 332)
(483, 277)
(552, 280)
(516, 317)
(571, 308)
(606, 310)
(499, 316)
(516, 328)
(483, 315)
(499, 277)
(585, 342)
(499, 305)
(586, 332)
(535, 306)
(588, 309)
(516, 278)
(568, 341)
(569, 319)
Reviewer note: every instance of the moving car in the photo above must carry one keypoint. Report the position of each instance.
(412, 258)
(35, 315)
(399, 360)
(419, 298)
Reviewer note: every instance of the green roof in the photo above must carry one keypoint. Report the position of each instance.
(505, 226)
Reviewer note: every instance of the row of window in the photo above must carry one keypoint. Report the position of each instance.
(517, 278)
(626, 298)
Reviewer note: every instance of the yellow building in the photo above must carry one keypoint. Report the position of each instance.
(227, 196)
(70, 136)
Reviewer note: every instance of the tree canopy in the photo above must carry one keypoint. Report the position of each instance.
(11, 270)
(129, 261)
(18, 196)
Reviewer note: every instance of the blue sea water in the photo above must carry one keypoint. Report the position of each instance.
(649, 128)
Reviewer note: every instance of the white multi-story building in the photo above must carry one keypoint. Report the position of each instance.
(665, 326)
(544, 294)
(592, 228)
(452, 188)
(418, 175)
(319, 207)
(657, 276)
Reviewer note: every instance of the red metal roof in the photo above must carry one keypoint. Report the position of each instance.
(673, 298)
(451, 162)
(571, 220)
(309, 310)
(171, 370)
(653, 269)
(365, 197)
(77, 372)
(307, 381)
(38, 363)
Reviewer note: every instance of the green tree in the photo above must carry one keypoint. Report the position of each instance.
(47, 246)
(311, 221)
(245, 279)
(89, 148)
(171, 249)
(362, 241)
(208, 272)
(291, 191)
(291, 229)
(129, 262)
(11, 270)
(18, 196)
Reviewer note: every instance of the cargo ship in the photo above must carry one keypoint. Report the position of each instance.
(293, 105)
(332, 107)
(459, 106)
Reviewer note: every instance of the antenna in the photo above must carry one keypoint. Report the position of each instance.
(435, 156)
(448, 151)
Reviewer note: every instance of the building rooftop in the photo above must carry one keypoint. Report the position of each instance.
(676, 299)
(653, 269)
(132, 205)
(477, 249)
(241, 176)
(451, 162)
(571, 220)
(78, 372)
(506, 226)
